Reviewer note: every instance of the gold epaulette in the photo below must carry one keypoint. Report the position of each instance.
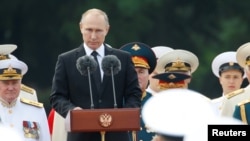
(244, 102)
(33, 103)
(143, 95)
(27, 89)
(234, 93)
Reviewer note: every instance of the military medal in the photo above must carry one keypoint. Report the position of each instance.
(31, 129)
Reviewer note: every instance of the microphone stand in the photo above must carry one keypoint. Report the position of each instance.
(113, 84)
(115, 103)
(90, 90)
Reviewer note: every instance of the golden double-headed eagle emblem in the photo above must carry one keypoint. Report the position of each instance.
(105, 120)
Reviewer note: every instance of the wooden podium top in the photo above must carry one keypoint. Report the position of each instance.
(93, 120)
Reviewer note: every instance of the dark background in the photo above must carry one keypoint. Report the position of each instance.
(44, 29)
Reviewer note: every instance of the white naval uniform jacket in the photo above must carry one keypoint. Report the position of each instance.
(26, 114)
(233, 99)
(217, 104)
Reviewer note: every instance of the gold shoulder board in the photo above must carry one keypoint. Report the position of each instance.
(234, 93)
(33, 103)
(27, 89)
(244, 102)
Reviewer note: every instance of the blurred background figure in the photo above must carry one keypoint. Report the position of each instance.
(180, 61)
(153, 86)
(230, 75)
(238, 96)
(175, 112)
(144, 61)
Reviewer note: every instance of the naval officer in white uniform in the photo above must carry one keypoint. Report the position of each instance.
(26, 117)
(230, 75)
(6, 51)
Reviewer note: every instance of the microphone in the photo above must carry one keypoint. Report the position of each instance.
(111, 65)
(87, 65)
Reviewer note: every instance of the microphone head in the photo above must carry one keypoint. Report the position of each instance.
(111, 62)
(85, 62)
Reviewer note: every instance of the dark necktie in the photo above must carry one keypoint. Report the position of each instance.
(97, 73)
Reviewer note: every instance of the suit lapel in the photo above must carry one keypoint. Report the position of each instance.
(80, 52)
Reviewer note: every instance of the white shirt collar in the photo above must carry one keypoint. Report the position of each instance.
(99, 50)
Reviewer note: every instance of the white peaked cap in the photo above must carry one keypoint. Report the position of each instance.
(12, 57)
(177, 54)
(228, 58)
(6, 49)
(161, 50)
(12, 69)
(242, 55)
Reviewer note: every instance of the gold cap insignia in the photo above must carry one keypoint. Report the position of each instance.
(178, 65)
(10, 73)
(248, 61)
(135, 47)
(171, 76)
(3, 57)
(231, 63)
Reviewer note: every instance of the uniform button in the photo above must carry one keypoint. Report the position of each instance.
(100, 101)
(10, 111)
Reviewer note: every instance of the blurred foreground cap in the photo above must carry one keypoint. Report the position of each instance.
(142, 55)
(161, 50)
(11, 69)
(177, 61)
(225, 61)
(243, 55)
(174, 112)
(200, 133)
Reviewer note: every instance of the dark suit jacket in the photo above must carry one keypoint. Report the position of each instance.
(71, 89)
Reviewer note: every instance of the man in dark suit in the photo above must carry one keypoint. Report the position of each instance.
(70, 89)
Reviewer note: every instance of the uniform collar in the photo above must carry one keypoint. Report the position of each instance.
(7, 104)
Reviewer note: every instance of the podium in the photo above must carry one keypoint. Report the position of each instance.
(104, 120)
